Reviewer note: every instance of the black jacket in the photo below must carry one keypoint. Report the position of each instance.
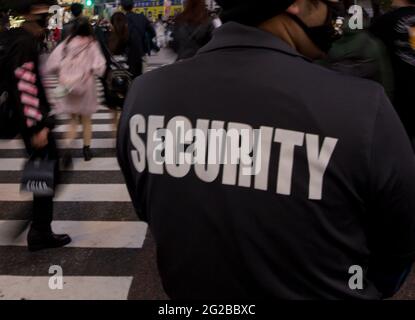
(395, 30)
(21, 73)
(138, 26)
(334, 185)
(188, 39)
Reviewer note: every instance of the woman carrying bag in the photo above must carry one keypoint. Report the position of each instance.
(118, 77)
(78, 61)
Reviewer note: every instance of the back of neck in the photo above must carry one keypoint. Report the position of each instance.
(285, 28)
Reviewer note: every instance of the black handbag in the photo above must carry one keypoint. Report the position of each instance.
(117, 80)
(39, 176)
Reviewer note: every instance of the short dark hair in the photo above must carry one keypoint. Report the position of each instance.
(76, 9)
(81, 28)
(127, 5)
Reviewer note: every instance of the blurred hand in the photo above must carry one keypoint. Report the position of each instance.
(40, 139)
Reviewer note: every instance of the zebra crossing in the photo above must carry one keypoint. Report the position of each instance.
(99, 182)
(112, 254)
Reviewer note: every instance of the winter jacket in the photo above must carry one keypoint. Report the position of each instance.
(188, 39)
(95, 65)
(360, 54)
(20, 73)
(138, 27)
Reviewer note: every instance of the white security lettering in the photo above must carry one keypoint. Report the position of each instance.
(261, 159)
(288, 139)
(176, 165)
(213, 141)
(138, 125)
(240, 153)
(318, 162)
(232, 151)
(155, 144)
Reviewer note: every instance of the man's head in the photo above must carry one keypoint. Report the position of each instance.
(252, 12)
(314, 17)
(76, 9)
(127, 5)
(36, 13)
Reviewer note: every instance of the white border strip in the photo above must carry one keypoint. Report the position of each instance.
(74, 288)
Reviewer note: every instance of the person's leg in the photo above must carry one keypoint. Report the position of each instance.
(40, 235)
(43, 206)
(116, 119)
(73, 127)
(70, 136)
(87, 134)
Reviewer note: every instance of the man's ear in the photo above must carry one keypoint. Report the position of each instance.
(294, 8)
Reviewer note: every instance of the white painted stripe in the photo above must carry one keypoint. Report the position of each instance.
(95, 116)
(84, 234)
(95, 128)
(71, 192)
(12, 164)
(96, 164)
(62, 144)
(74, 288)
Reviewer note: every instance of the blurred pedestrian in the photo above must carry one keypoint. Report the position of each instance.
(21, 78)
(138, 27)
(78, 61)
(118, 61)
(160, 28)
(397, 31)
(359, 53)
(77, 12)
(192, 29)
(322, 178)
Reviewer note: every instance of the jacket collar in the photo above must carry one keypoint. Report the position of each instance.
(234, 35)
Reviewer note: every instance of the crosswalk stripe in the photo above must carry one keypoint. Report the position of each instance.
(95, 116)
(84, 234)
(96, 164)
(72, 211)
(74, 288)
(71, 177)
(92, 205)
(71, 192)
(16, 144)
(95, 128)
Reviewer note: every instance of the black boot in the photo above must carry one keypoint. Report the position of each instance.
(87, 153)
(38, 240)
(67, 160)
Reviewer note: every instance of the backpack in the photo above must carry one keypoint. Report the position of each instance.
(118, 80)
(73, 73)
(9, 121)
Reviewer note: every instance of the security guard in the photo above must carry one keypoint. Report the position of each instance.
(263, 175)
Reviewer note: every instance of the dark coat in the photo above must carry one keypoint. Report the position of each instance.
(188, 39)
(138, 26)
(23, 50)
(278, 232)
